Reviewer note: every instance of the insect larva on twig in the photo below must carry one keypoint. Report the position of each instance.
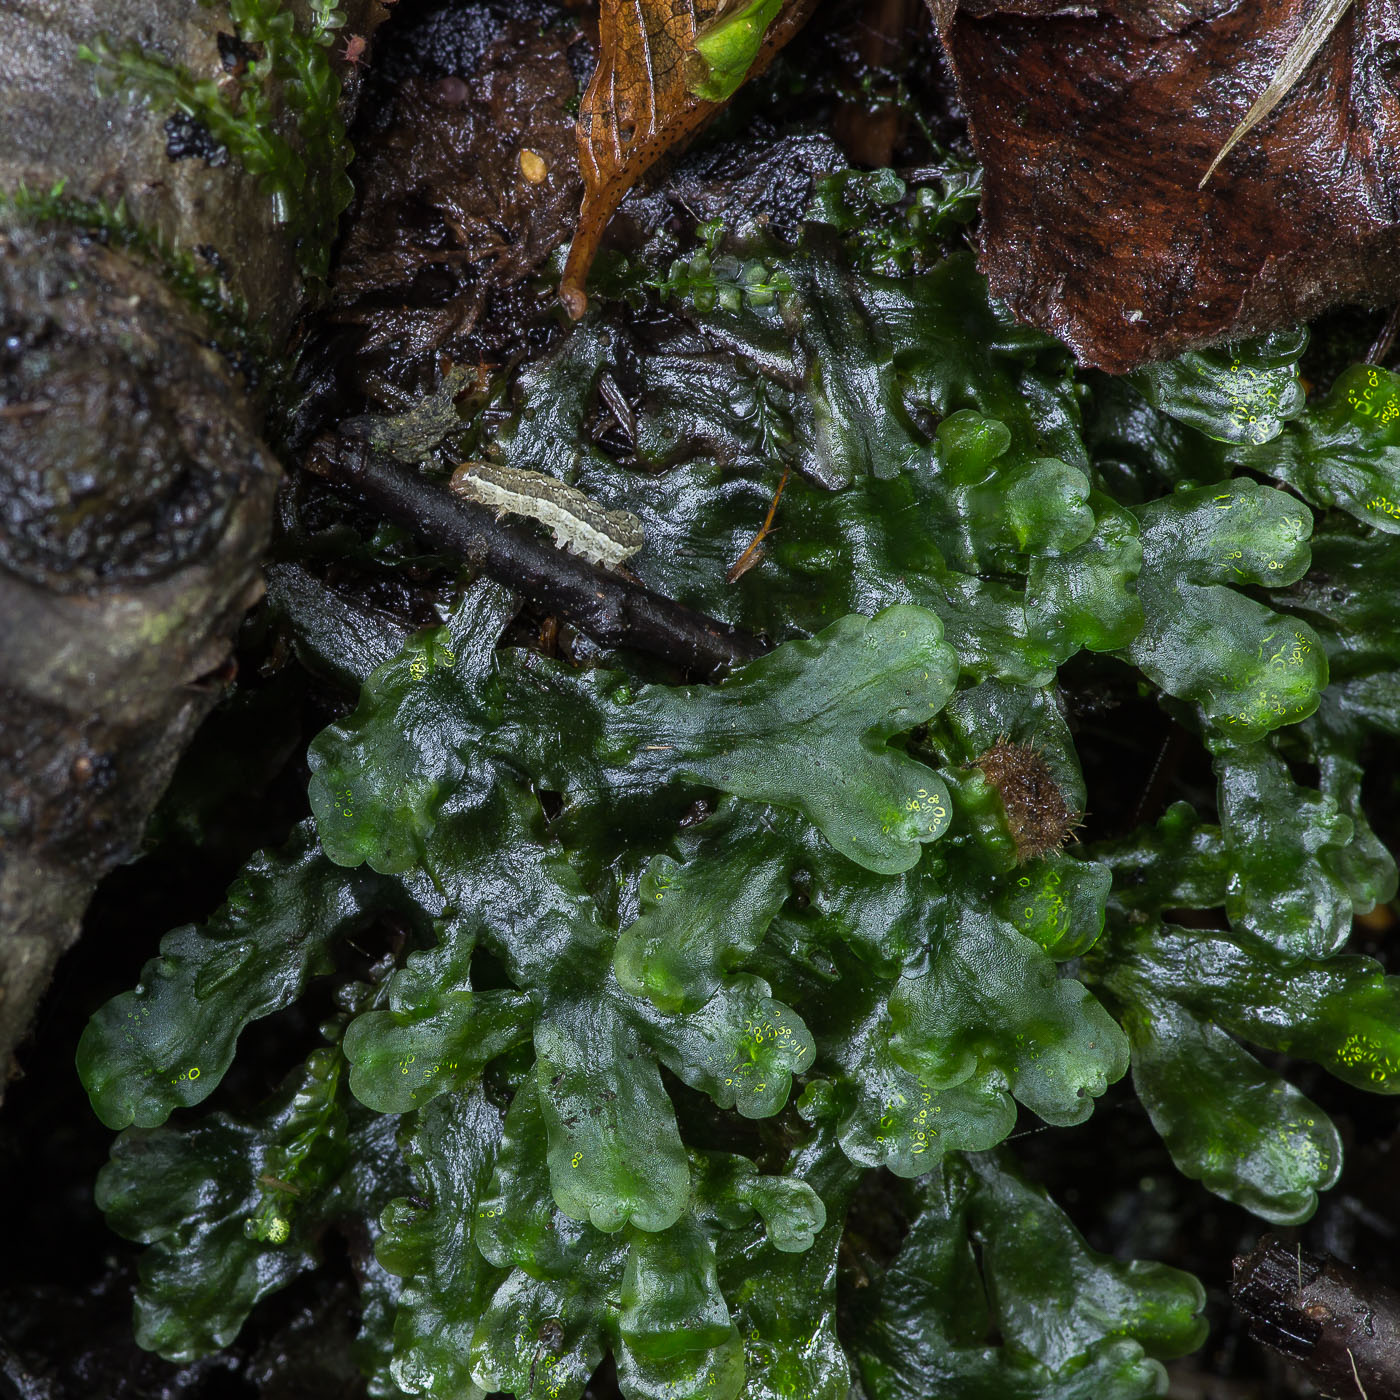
(580, 524)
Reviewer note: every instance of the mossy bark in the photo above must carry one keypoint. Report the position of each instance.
(135, 489)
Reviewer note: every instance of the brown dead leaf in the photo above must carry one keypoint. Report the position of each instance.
(638, 107)
(1325, 17)
(1146, 16)
(1095, 131)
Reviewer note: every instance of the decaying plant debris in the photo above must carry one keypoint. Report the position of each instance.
(644, 99)
(1341, 1327)
(469, 189)
(1095, 132)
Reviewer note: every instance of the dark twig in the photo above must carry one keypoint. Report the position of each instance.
(1385, 338)
(609, 608)
(1338, 1325)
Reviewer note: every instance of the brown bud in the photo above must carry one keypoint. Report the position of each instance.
(1039, 819)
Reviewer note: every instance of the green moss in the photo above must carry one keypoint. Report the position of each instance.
(194, 279)
(708, 279)
(304, 175)
(891, 228)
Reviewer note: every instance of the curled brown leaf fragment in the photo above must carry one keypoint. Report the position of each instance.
(754, 553)
(1095, 131)
(639, 105)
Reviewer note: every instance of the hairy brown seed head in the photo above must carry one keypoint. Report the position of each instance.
(1039, 819)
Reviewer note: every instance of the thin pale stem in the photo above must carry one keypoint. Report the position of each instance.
(1314, 33)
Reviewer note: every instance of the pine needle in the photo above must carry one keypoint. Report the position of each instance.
(1314, 33)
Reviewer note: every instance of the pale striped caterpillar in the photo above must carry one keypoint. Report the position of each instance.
(580, 524)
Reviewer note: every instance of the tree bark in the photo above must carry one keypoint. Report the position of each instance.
(135, 489)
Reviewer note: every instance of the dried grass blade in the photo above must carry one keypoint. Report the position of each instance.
(1314, 33)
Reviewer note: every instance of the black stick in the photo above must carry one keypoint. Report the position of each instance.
(1340, 1326)
(608, 607)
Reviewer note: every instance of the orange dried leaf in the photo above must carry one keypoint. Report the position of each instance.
(638, 106)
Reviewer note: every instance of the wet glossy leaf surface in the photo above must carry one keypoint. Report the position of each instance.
(1244, 1132)
(918, 1347)
(849, 689)
(1345, 450)
(451, 1149)
(1239, 394)
(662, 970)
(167, 1044)
(1012, 1020)
(1249, 669)
(1282, 842)
(230, 1210)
